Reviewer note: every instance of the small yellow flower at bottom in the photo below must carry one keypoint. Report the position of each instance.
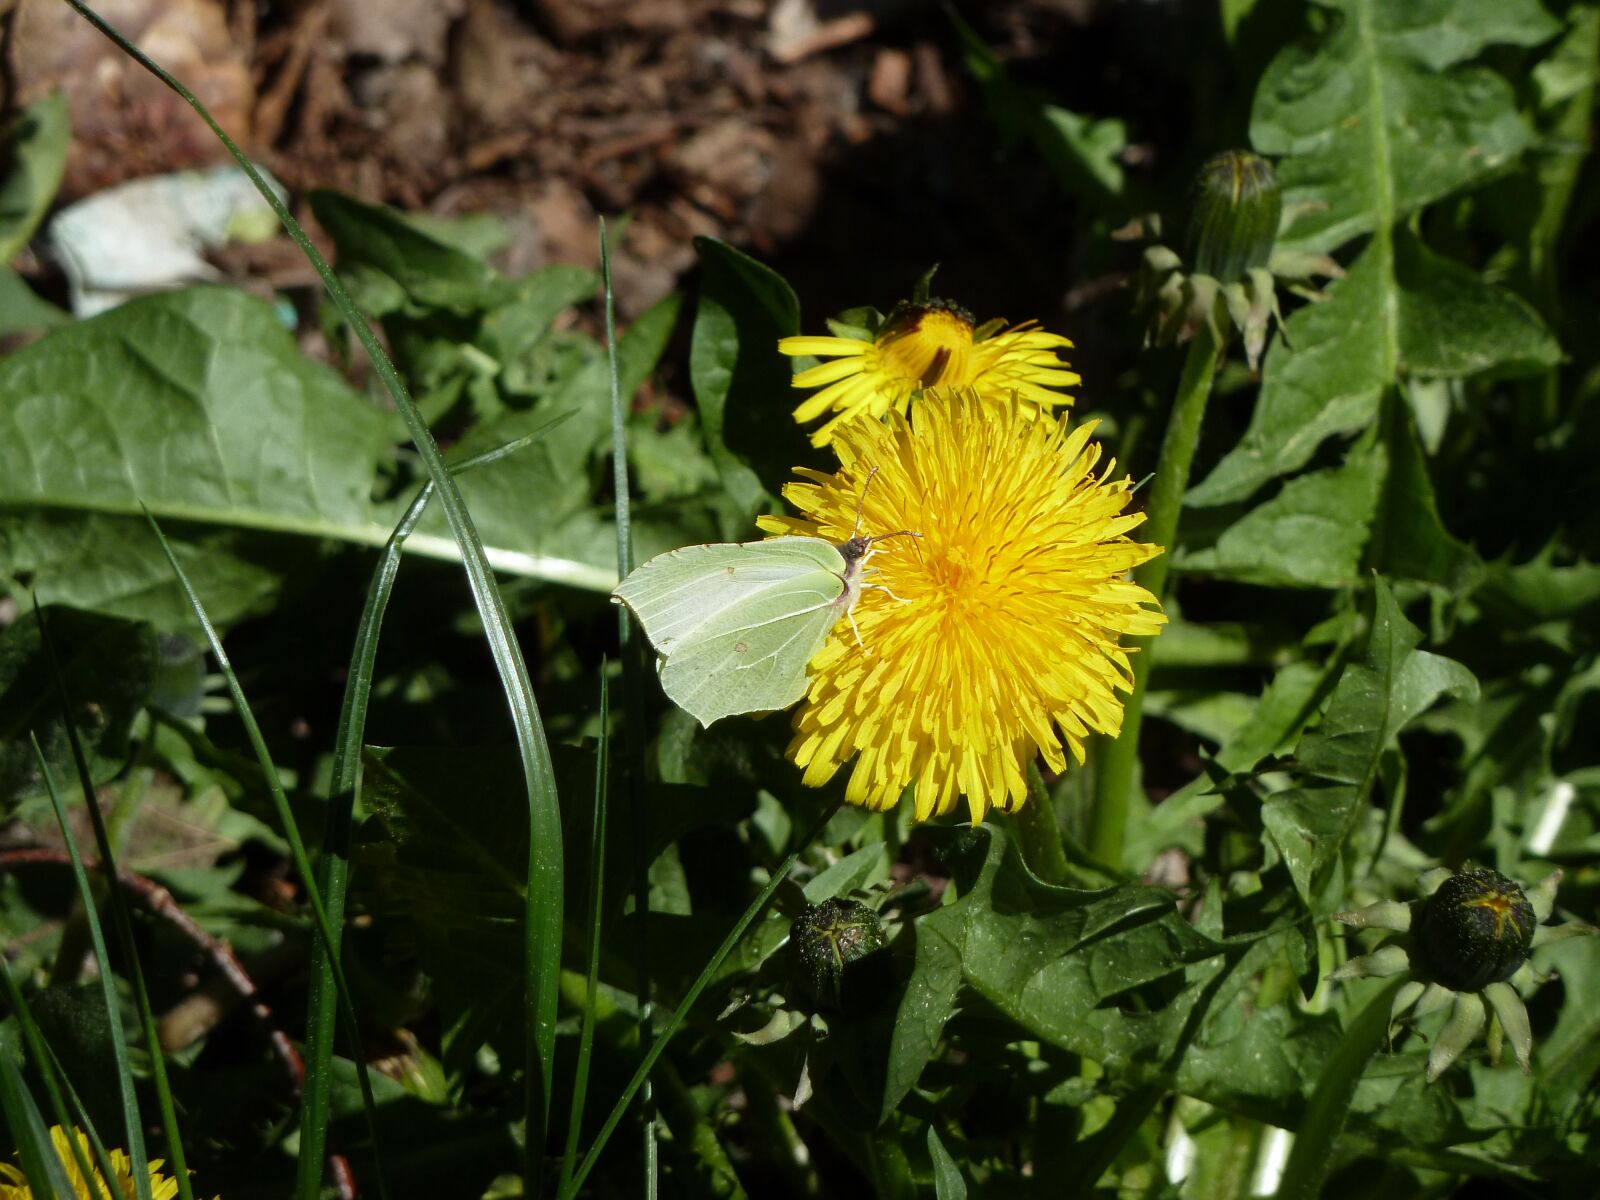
(992, 637)
(925, 346)
(14, 1185)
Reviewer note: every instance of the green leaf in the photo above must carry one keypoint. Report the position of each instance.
(555, 477)
(1380, 117)
(1409, 537)
(947, 1181)
(1374, 700)
(741, 382)
(1375, 121)
(1044, 956)
(1084, 153)
(109, 667)
(1311, 534)
(1329, 383)
(1411, 312)
(22, 309)
(392, 265)
(37, 155)
(198, 404)
(1452, 324)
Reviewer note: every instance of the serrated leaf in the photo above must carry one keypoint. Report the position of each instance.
(1374, 700)
(1049, 958)
(1379, 118)
(1401, 310)
(1375, 120)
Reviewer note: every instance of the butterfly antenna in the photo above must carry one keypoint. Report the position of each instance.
(861, 504)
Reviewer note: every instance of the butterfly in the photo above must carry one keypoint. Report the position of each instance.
(735, 623)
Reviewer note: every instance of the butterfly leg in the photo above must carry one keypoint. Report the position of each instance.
(878, 587)
(851, 617)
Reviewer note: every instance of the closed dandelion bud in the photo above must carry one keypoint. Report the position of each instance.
(1475, 930)
(828, 938)
(1237, 206)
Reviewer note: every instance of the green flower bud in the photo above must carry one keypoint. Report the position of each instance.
(1476, 929)
(1237, 206)
(828, 938)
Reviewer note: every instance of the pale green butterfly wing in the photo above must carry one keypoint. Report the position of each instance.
(736, 623)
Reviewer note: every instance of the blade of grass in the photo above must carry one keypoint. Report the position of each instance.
(632, 724)
(597, 865)
(45, 1063)
(122, 925)
(343, 789)
(46, 1173)
(544, 912)
(681, 1013)
(291, 833)
(80, 1118)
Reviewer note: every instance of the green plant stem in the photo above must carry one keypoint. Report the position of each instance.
(596, 897)
(1114, 778)
(681, 1013)
(1313, 1140)
(632, 652)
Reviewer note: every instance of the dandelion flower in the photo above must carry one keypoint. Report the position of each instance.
(14, 1185)
(991, 637)
(929, 346)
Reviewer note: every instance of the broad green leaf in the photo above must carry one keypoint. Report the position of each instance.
(741, 382)
(36, 156)
(1380, 117)
(102, 563)
(1374, 700)
(197, 404)
(1311, 534)
(108, 667)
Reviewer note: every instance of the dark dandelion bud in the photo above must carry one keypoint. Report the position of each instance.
(828, 938)
(1474, 931)
(1237, 205)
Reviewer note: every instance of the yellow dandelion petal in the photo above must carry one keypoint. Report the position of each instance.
(993, 637)
(14, 1184)
(921, 347)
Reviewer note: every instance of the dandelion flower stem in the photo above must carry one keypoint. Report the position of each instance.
(1108, 819)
